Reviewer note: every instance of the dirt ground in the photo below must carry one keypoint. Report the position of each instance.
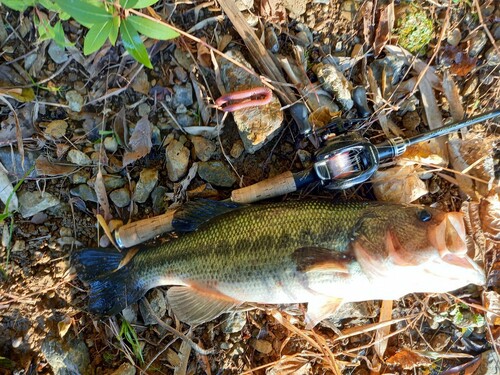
(44, 326)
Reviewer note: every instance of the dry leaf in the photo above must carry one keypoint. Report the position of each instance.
(453, 97)
(408, 359)
(289, 365)
(102, 197)
(399, 184)
(203, 54)
(273, 11)
(366, 12)
(6, 191)
(380, 340)
(64, 325)
(384, 28)
(322, 116)
(140, 141)
(120, 127)
(45, 167)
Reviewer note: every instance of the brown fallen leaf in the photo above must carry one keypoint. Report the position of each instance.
(45, 167)
(384, 28)
(273, 11)
(120, 127)
(140, 141)
(408, 359)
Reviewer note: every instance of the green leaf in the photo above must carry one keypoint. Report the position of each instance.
(96, 37)
(85, 12)
(19, 5)
(133, 43)
(127, 4)
(152, 29)
(59, 36)
(144, 3)
(113, 34)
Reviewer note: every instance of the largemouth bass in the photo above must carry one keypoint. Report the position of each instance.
(317, 252)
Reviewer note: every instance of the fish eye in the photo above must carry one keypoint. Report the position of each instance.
(424, 215)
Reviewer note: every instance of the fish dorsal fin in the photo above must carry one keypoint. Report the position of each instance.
(196, 306)
(319, 309)
(312, 258)
(193, 214)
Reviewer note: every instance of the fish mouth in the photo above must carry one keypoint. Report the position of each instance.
(449, 239)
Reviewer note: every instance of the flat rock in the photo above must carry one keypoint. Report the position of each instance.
(183, 94)
(67, 356)
(85, 192)
(158, 198)
(57, 53)
(257, 125)
(203, 148)
(78, 157)
(33, 202)
(217, 173)
(120, 197)
(262, 346)
(158, 304)
(234, 322)
(147, 182)
(75, 100)
(177, 160)
(295, 7)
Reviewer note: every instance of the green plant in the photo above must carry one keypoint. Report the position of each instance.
(105, 20)
(128, 333)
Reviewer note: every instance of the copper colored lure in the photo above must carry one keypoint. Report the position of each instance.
(254, 97)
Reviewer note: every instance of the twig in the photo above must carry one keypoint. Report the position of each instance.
(174, 332)
(486, 30)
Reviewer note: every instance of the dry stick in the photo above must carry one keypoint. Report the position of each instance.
(486, 30)
(174, 332)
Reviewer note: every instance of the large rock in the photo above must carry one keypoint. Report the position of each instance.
(33, 202)
(256, 125)
(177, 160)
(67, 356)
(217, 173)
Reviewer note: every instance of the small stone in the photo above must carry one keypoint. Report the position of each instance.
(203, 148)
(56, 129)
(32, 202)
(236, 350)
(183, 94)
(185, 120)
(262, 346)
(454, 37)
(79, 158)
(80, 177)
(147, 181)
(85, 192)
(237, 149)
(234, 322)
(271, 40)
(477, 44)
(66, 356)
(181, 74)
(251, 18)
(120, 197)
(130, 313)
(158, 304)
(19, 246)
(177, 160)
(334, 82)
(411, 120)
(125, 369)
(57, 53)
(492, 56)
(16, 342)
(110, 144)
(141, 83)
(158, 198)
(75, 100)
(440, 342)
(144, 109)
(470, 86)
(65, 232)
(348, 10)
(217, 173)
(295, 7)
(305, 158)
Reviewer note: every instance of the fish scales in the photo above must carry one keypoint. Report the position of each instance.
(317, 252)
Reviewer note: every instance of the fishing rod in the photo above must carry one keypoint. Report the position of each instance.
(343, 161)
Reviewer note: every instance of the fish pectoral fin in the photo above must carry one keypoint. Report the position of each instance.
(313, 258)
(196, 306)
(319, 309)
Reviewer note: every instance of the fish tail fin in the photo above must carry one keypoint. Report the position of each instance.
(112, 283)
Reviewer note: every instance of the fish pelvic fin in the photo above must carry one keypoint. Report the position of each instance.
(109, 275)
(319, 309)
(196, 306)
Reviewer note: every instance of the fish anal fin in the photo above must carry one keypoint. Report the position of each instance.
(313, 258)
(194, 306)
(319, 309)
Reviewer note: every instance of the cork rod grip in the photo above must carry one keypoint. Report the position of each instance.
(272, 187)
(139, 231)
